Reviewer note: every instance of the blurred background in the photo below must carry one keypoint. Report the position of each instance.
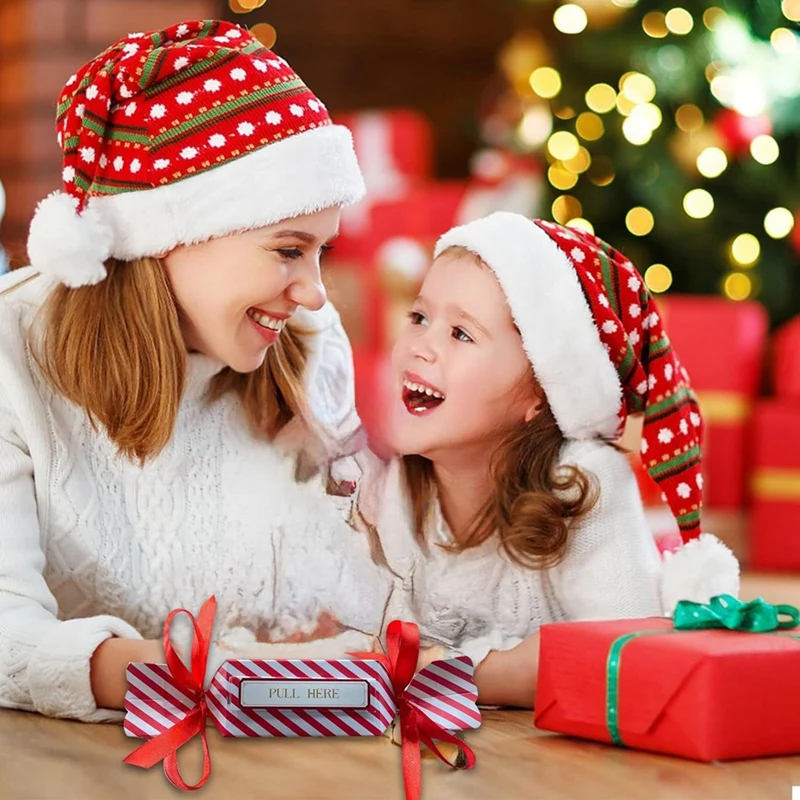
(668, 127)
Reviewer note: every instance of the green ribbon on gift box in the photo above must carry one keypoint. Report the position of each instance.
(722, 612)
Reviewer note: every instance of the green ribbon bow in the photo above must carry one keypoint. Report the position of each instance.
(724, 611)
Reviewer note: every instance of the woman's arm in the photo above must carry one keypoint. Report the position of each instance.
(108, 664)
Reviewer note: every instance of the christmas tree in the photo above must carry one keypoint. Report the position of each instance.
(670, 131)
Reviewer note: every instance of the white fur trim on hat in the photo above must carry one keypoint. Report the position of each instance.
(556, 323)
(301, 174)
(701, 569)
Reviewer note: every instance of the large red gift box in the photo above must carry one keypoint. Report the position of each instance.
(786, 360)
(711, 695)
(775, 486)
(722, 346)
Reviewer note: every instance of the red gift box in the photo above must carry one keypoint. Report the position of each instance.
(722, 345)
(786, 360)
(775, 486)
(711, 695)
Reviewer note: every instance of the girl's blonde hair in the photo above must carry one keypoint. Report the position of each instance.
(534, 499)
(116, 350)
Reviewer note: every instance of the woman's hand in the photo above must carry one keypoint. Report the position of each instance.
(108, 665)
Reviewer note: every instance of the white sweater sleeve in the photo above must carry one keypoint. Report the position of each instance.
(44, 662)
(612, 569)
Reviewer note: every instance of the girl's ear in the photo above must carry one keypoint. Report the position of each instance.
(533, 410)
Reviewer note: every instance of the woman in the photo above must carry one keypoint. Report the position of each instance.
(162, 361)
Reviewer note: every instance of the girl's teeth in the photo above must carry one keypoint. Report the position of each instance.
(267, 322)
(416, 387)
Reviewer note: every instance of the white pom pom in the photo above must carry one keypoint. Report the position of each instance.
(701, 569)
(70, 247)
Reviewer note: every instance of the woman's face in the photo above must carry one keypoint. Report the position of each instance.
(236, 293)
(462, 378)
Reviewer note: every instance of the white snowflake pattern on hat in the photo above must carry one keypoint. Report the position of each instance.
(234, 34)
(68, 174)
(576, 254)
(609, 326)
(245, 128)
(184, 98)
(684, 427)
(273, 118)
(683, 490)
(297, 110)
(119, 163)
(71, 79)
(103, 161)
(188, 153)
(644, 447)
(161, 163)
(87, 154)
(699, 481)
(238, 74)
(641, 388)
(695, 419)
(124, 92)
(633, 337)
(136, 165)
(634, 310)
(260, 65)
(212, 85)
(80, 110)
(665, 435)
(313, 105)
(634, 283)
(181, 62)
(651, 381)
(603, 300)
(130, 50)
(158, 111)
(668, 371)
(130, 109)
(183, 29)
(274, 62)
(92, 92)
(216, 140)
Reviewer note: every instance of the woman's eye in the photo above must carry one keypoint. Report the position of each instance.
(291, 253)
(461, 335)
(416, 318)
(324, 250)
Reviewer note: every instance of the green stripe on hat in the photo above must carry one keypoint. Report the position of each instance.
(676, 464)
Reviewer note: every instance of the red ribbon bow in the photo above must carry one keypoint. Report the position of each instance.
(402, 642)
(165, 746)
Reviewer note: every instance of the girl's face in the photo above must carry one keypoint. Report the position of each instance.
(462, 378)
(236, 293)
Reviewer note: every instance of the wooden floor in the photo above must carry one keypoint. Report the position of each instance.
(42, 759)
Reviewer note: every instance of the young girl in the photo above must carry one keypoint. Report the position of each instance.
(168, 343)
(527, 348)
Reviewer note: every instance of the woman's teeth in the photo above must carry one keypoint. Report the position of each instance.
(416, 387)
(267, 322)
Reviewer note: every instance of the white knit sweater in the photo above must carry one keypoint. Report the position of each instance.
(92, 545)
(479, 600)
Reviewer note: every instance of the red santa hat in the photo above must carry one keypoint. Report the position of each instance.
(600, 352)
(177, 136)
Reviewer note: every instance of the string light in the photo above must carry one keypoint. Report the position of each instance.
(689, 118)
(764, 149)
(712, 162)
(580, 162)
(779, 222)
(601, 172)
(637, 87)
(791, 10)
(679, 21)
(658, 278)
(536, 126)
(563, 145)
(589, 126)
(698, 204)
(654, 24)
(745, 250)
(581, 224)
(570, 19)
(245, 6)
(712, 17)
(624, 3)
(566, 207)
(265, 34)
(567, 112)
(737, 286)
(546, 82)
(639, 221)
(601, 98)
(783, 40)
(560, 178)
(625, 105)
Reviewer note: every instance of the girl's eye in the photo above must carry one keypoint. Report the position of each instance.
(291, 254)
(324, 250)
(416, 318)
(461, 335)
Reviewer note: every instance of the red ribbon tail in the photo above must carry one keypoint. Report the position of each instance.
(165, 746)
(429, 730)
(412, 758)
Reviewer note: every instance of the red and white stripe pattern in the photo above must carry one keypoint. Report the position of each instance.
(153, 702)
(233, 720)
(445, 692)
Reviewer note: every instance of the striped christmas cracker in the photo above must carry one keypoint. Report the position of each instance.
(445, 692)
(153, 701)
(234, 719)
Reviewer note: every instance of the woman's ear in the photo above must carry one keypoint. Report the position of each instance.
(533, 410)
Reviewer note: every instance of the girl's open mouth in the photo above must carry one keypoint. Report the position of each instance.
(420, 398)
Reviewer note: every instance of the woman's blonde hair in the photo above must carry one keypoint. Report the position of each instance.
(533, 500)
(116, 350)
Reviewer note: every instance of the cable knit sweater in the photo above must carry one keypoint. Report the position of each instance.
(479, 600)
(93, 545)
